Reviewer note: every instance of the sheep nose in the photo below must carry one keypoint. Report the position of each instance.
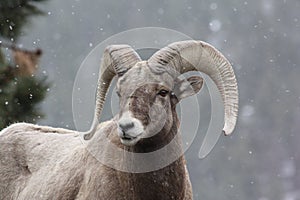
(126, 126)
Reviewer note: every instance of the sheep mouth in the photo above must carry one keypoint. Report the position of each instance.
(128, 138)
(129, 141)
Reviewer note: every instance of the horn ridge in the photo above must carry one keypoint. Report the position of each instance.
(200, 56)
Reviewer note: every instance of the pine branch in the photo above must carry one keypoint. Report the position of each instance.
(15, 48)
(9, 46)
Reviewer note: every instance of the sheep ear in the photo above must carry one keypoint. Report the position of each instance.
(188, 87)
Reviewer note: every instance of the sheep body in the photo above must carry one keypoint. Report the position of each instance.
(40, 162)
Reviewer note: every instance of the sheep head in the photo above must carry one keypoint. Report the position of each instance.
(149, 89)
(147, 101)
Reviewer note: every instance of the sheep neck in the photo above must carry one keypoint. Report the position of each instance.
(166, 183)
(169, 182)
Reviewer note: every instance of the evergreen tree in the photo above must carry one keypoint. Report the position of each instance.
(21, 90)
(14, 14)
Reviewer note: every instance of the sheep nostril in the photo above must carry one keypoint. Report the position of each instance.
(123, 133)
(126, 127)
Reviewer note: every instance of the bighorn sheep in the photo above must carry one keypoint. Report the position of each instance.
(39, 162)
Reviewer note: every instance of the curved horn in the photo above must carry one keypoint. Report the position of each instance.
(193, 55)
(116, 60)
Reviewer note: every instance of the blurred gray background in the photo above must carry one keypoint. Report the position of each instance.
(261, 38)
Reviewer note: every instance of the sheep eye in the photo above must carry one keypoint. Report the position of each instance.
(118, 94)
(163, 93)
